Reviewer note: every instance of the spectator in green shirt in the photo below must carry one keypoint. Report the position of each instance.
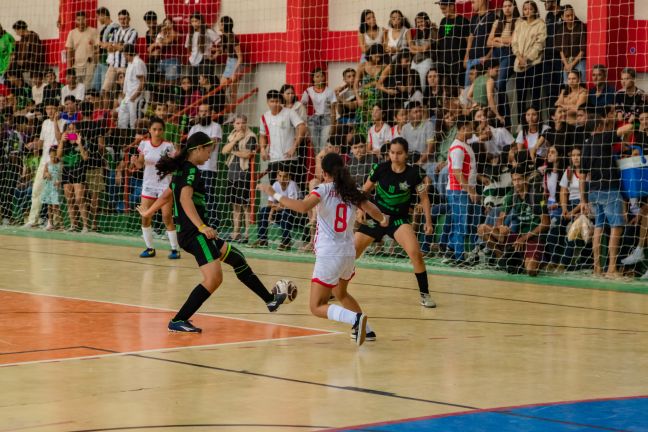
(7, 45)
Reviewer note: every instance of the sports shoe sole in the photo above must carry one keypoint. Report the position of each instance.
(362, 330)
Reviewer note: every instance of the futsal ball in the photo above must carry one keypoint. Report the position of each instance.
(288, 287)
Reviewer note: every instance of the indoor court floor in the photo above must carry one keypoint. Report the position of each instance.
(84, 347)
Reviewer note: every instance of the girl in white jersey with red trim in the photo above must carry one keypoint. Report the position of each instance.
(336, 200)
(150, 152)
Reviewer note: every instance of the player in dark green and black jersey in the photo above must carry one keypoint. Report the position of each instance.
(396, 184)
(187, 190)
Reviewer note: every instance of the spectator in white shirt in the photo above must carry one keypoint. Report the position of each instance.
(199, 42)
(324, 104)
(274, 211)
(204, 123)
(73, 87)
(419, 134)
(134, 80)
(281, 131)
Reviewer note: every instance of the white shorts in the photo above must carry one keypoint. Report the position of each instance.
(154, 190)
(330, 269)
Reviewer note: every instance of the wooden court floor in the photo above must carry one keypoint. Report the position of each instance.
(84, 347)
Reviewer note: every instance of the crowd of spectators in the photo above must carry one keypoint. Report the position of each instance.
(495, 107)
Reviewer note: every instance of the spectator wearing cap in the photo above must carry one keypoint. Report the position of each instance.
(602, 178)
(106, 31)
(477, 51)
(80, 49)
(117, 62)
(73, 87)
(7, 46)
(134, 81)
(30, 52)
(451, 48)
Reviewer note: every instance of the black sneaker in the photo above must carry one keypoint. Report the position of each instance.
(369, 337)
(279, 298)
(183, 327)
(361, 325)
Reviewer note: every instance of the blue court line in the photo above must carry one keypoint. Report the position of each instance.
(618, 415)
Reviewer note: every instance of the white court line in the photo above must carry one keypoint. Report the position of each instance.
(325, 332)
(157, 350)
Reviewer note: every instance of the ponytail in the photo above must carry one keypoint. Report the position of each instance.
(170, 164)
(344, 184)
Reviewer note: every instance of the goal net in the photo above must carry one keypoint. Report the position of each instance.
(513, 114)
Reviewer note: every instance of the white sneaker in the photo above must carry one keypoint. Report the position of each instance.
(427, 301)
(5, 221)
(645, 276)
(635, 257)
(85, 230)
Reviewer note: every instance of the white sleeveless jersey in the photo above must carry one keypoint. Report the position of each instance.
(335, 221)
(152, 155)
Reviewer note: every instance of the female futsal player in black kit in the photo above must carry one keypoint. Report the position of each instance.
(188, 193)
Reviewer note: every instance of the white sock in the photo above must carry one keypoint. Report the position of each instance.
(338, 313)
(147, 233)
(173, 239)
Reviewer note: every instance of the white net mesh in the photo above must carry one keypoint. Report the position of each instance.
(503, 189)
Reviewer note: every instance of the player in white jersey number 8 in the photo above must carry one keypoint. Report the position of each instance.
(336, 200)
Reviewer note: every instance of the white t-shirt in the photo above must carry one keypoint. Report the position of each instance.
(417, 136)
(551, 184)
(152, 155)
(192, 42)
(292, 191)
(531, 139)
(131, 83)
(573, 185)
(48, 136)
(321, 100)
(280, 133)
(213, 131)
(500, 138)
(37, 93)
(379, 137)
(335, 220)
(78, 92)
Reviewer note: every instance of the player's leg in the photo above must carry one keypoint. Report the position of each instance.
(147, 230)
(326, 276)
(167, 218)
(362, 242)
(406, 238)
(233, 257)
(349, 302)
(206, 253)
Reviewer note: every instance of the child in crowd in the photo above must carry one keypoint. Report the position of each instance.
(50, 196)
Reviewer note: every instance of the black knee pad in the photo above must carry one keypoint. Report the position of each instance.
(235, 258)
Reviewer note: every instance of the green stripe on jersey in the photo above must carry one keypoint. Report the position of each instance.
(205, 248)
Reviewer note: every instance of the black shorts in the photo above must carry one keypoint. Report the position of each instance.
(239, 191)
(203, 249)
(73, 175)
(373, 228)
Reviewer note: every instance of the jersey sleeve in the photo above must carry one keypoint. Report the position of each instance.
(294, 118)
(456, 157)
(376, 172)
(331, 96)
(141, 147)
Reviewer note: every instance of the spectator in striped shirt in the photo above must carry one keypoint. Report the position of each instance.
(116, 59)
